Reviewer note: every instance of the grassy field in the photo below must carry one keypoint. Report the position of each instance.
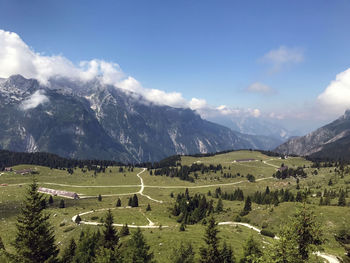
(114, 184)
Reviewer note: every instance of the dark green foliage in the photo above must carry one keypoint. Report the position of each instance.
(342, 200)
(43, 203)
(220, 206)
(308, 232)
(343, 237)
(99, 198)
(183, 254)
(134, 201)
(69, 252)
(124, 231)
(130, 201)
(182, 227)
(290, 172)
(87, 247)
(227, 254)
(268, 233)
(148, 208)
(110, 236)
(35, 240)
(2, 246)
(210, 253)
(299, 197)
(247, 206)
(250, 178)
(190, 210)
(62, 204)
(236, 195)
(119, 203)
(78, 219)
(138, 250)
(251, 251)
(50, 200)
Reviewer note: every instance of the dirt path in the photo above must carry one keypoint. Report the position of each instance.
(327, 257)
(150, 225)
(266, 162)
(143, 187)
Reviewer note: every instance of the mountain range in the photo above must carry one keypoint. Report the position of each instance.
(330, 141)
(94, 121)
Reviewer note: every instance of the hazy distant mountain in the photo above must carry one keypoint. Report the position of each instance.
(94, 121)
(331, 140)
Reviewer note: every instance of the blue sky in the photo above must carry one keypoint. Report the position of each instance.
(214, 50)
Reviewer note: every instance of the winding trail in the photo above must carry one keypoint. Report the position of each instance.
(266, 162)
(327, 257)
(143, 187)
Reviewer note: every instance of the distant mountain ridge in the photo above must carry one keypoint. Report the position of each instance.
(330, 141)
(95, 121)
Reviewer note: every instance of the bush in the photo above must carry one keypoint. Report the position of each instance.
(267, 233)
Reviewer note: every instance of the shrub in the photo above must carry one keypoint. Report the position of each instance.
(267, 233)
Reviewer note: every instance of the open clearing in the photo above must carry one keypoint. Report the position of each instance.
(160, 227)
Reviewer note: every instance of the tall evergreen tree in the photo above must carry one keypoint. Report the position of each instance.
(342, 200)
(69, 252)
(251, 251)
(119, 203)
(2, 246)
(308, 231)
(87, 247)
(135, 201)
(138, 249)
(35, 240)
(183, 254)
(227, 254)
(219, 207)
(124, 231)
(110, 235)
(210, 253)
(50, 200)
(62, 204)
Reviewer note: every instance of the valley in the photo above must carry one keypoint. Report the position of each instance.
(229, 171)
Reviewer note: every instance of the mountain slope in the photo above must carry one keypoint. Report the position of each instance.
(329, 141)
(94, 121)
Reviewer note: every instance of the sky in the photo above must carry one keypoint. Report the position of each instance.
(285, 61)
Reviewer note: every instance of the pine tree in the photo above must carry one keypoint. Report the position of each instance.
(183, 254)
(148, 208)
(99, 198)
(105, 255)
(124, 231)
(210, 253)
(247, 206)
(130, 203)
(227, 254)
(119, 203)
(135, 201)
(78, 219)
(50, 200)
(62, 204)
(2, 246)
(87, 247)
(251, 251)
(35, 240)
(182, 227)
(342, 200)
(219, 207)
(69, 252)
(110, 235)
(43, 203)
(309, 234)
(138, 249)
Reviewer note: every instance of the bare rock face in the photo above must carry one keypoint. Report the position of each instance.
(95, 121)
(329, 141)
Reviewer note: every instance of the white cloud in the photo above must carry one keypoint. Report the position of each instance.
(261, 88)
(37, 98)
(336, 97)
(283, 56)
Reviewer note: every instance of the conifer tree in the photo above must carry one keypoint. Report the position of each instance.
(110, 235)
(130, 202)
(119, 203)
(138, 249)
(251, 251)
(210, 253)
(35, 240)
(50, 200)
(2, 246)
(78, 219)
(135, 201)
(99, 198)
(342, 200)
(183, 254)
(124, 231)
(227, 254)
(309, 235)
(62, 204)
(87, 247)
(148, 208)
(105, 255)
(219, 207)
(69, 252)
